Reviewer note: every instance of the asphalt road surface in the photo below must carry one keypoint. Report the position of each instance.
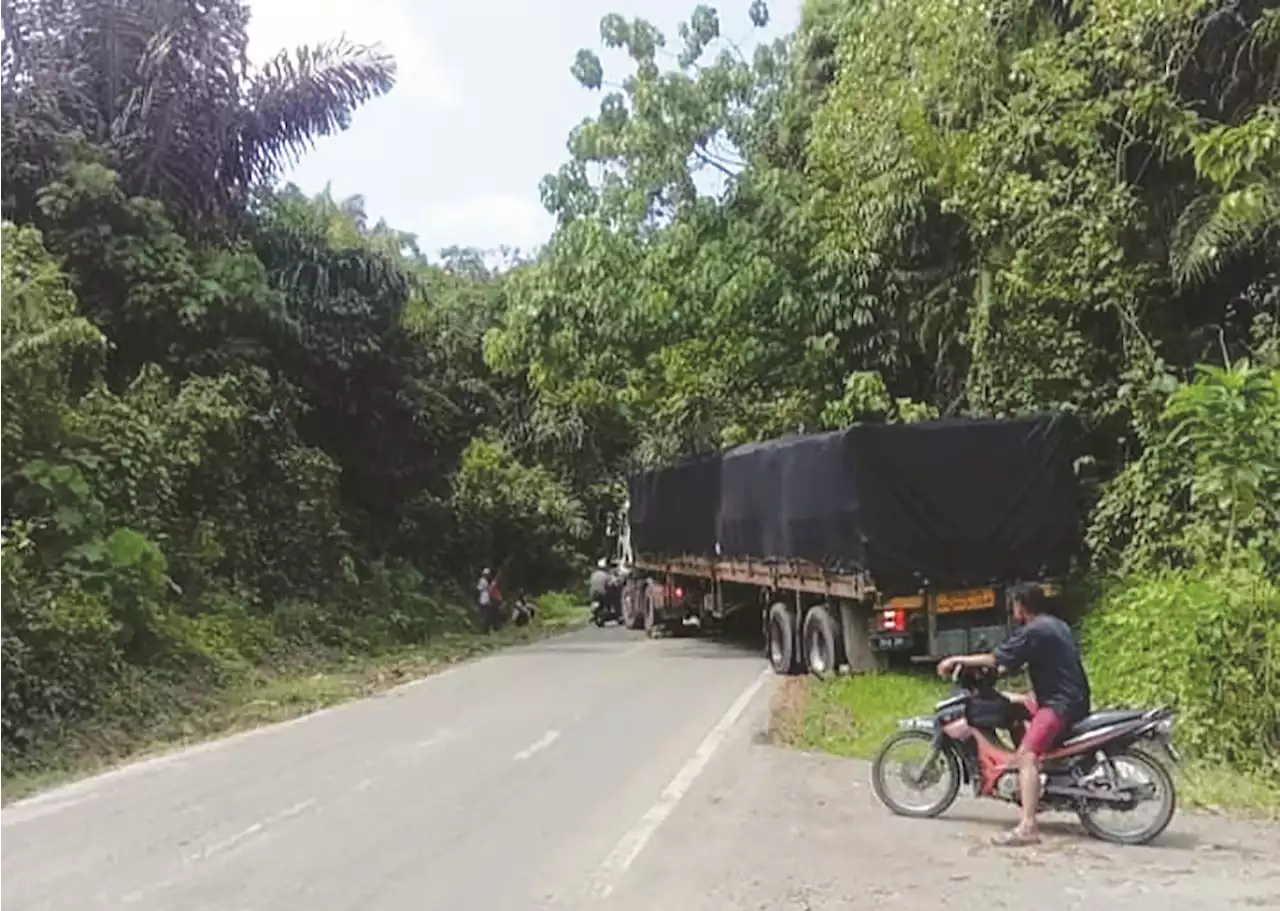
(593, 770)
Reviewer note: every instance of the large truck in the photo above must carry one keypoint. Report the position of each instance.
(859, 544)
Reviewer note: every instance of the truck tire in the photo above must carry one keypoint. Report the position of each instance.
(650, 614)
(781, 640)
(633, 596)
(821, 642)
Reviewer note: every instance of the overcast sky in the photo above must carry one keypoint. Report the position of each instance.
(482, 107)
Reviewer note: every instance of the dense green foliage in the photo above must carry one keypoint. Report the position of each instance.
(235, 417)
(930, 207)
(239, 420)
(1206, 641)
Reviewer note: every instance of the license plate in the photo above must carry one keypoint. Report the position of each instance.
(891, 642)
(976, 599)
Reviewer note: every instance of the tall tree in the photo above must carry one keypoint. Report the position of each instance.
(166, 87)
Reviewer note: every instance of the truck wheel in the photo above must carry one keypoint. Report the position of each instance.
(632, 615)
(650, 616)
(821, 641)
(782, 640)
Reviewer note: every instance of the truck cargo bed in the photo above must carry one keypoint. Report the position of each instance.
(896, 507)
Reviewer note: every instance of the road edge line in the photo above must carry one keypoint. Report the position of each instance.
(637, 837)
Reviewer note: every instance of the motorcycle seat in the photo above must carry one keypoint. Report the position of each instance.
(1096, 720)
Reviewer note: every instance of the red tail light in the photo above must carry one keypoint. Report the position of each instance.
(892, 620)
(679, 593)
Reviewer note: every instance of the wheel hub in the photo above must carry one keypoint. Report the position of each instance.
(817, 655)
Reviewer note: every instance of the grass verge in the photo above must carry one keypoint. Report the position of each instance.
(851, 716)
(305, 683)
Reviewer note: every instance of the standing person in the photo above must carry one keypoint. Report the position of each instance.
(1045, 645)
(485, 602)
(495, 601)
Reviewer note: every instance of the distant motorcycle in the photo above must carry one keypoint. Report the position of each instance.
(1104, 771)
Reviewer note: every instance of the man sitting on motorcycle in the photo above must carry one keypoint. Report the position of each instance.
(1045, 645)
(599, 586)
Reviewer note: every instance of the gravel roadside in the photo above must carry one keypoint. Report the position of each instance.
(770, 828)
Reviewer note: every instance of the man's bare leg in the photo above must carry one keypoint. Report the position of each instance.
(1025, 833)
(1029, 786)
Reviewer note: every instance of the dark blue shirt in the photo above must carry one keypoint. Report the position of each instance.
(1048, 649)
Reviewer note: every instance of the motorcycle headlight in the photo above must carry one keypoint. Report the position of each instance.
(1165, 726)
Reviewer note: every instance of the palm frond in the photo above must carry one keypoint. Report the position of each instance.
(1215, 227)
(309, 92)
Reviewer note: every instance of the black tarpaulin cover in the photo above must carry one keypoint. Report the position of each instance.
(673, 509)
(952, 502)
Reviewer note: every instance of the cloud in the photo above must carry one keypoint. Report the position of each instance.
(278, 24)
(487, 221)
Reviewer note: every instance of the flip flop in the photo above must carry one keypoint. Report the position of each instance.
(1015, 838)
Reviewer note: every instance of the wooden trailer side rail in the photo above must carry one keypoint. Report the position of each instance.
(783, 575)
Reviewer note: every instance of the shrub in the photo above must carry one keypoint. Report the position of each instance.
(559, 608)
(60, 655)
(1206, 641)
(1207, 483)
(523, 518)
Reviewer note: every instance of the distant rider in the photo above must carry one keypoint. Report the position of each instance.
(1045, 645)
(599, 585)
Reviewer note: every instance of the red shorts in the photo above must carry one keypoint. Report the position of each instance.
(1043, 729)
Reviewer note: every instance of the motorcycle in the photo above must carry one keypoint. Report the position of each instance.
(1104, 770)
(607, 607)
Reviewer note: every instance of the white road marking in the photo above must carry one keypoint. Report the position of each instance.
(252, 830)
(439, 738)
(138, 895)
(634, 841)
(540, 744)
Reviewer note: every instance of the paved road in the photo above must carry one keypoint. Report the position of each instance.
(530, 778)
(594, 770)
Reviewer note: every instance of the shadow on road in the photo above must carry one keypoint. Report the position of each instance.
(1072, 831)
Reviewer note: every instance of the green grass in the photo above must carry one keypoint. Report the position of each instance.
(852, 716)
(305, 683)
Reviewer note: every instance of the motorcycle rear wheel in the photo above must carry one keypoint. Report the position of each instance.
(944, 770)
(1094, 822)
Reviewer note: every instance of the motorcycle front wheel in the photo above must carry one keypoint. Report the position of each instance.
(929, 780)
(1152, 811)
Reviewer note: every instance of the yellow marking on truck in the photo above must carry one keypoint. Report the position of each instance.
(974, 599)
(904, 602)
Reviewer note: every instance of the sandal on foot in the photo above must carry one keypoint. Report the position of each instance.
(1016, 838)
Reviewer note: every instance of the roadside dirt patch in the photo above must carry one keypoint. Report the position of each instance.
(787, 712)
(773, 828)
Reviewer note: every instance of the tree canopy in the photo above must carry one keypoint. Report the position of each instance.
(240, 419)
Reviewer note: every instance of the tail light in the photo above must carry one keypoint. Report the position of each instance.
(679, 593)
(892, 620)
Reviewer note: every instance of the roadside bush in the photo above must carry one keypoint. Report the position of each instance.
(1207, 483)
(60, 656)
(524, 517)
(393, 605)
(559, 608)
(1206, 641)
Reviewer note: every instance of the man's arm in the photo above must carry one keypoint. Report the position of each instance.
(947, 666)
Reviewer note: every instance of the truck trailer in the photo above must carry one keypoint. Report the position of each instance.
(857, 544)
